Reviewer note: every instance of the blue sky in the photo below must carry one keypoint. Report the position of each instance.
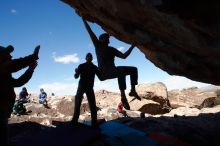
(64, 42)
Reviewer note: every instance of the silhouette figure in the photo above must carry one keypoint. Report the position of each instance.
(105, 57)
(23, 95)
(87, 72)
(7, 83)
(43, 97)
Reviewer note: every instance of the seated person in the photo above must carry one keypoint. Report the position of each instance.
(43, 97)
(23, 95)
(121, 110)
(19, 108)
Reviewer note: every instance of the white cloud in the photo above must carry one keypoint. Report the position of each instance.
(121, 48)
(13, 11)
(62, 88)
(109, 85)
(68, 88)
(66, 59)
(178, 82)
(59, 88)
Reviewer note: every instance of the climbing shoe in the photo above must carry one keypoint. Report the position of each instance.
(134, 93)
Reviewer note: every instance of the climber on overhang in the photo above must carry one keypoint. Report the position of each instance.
(105, 56)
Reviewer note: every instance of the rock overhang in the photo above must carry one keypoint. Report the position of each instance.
(181, 37)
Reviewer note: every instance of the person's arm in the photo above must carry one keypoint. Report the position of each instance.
(20, 63)
(45, 95)
(25, 77)
(126, 54)
(77, 72)
(26, 94)
(91, 33)
(29, 96)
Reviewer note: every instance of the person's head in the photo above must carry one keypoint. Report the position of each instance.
(24, 89)
(104, 38)
(89, 57)
(41, 90)
(5, 53)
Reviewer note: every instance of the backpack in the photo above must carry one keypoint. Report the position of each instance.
(19, 108)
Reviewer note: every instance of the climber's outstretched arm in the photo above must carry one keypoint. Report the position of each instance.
(126, 54)
(91, 33)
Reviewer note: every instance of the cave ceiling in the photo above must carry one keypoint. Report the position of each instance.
(181, 37)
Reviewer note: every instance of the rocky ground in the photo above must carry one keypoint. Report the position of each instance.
(188, 114)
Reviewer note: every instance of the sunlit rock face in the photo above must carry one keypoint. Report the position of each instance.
(182, 37)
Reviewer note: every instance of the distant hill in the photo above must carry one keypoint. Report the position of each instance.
(210, 88)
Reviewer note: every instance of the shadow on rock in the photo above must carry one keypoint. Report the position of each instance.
(34, 134)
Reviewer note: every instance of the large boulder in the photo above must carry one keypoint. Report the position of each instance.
(191, 97)
(182, 37)
(153, 91)
(154, 99)
(187, 111)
